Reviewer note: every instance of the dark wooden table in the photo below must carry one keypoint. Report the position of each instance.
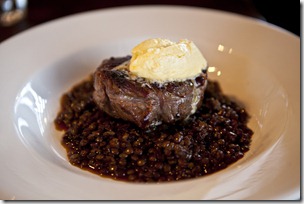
(41, 11)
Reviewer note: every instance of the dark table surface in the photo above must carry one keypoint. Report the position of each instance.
(41, 11)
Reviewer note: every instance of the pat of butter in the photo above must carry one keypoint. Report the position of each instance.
(161, 60)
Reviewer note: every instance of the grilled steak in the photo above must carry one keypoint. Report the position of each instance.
(141, 102)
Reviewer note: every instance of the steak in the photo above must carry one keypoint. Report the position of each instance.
(145, 103)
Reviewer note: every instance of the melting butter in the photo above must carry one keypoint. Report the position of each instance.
(161, 60)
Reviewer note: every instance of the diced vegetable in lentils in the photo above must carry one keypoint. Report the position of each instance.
(214, 137)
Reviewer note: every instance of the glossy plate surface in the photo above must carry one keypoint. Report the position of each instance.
(255, 62)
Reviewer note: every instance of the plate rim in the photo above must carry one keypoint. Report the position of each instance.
(156, 6)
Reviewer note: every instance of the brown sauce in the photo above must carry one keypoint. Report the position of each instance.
(211, 139)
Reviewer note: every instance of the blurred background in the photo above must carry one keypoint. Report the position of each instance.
(280, 13)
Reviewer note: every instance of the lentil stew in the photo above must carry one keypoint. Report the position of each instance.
(213, 138)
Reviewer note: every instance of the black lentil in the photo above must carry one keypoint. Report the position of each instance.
(211, 139)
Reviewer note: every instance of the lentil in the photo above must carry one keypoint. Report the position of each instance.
(211, 139)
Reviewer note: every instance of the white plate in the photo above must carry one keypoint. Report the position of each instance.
(255, 62)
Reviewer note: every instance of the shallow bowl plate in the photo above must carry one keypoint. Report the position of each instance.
(256, 63)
